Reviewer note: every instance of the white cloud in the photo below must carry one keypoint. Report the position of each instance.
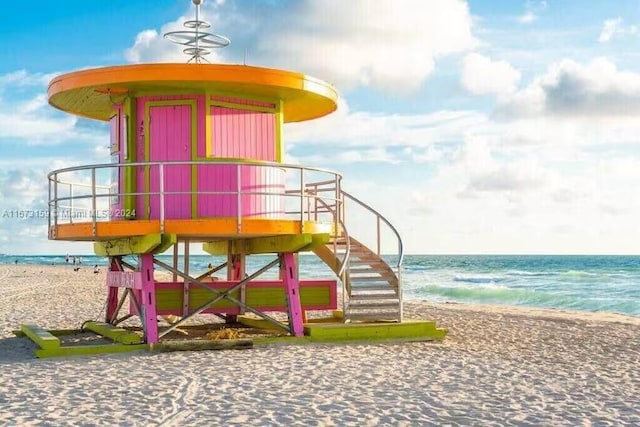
(527, 17)
(532, 9)
(482, 76)
(384, 44)
(533, 184)
(429, 154)
(28, 126)
(613, 28)
(23, 186)
(22, 78)
(347, 128)
(597, 89)
(25, 114)
(484, 202)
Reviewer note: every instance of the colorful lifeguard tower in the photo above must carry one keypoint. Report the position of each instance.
(197, 158)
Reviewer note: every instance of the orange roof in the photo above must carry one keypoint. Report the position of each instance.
(89, 93)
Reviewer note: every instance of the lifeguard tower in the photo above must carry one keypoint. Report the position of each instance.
(197, 158)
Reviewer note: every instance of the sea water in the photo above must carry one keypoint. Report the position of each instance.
(588, 283)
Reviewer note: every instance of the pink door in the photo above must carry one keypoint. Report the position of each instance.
(170, 130)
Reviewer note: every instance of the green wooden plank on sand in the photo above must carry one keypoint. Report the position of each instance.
(43, 338)
(123, 336)
(85, 350)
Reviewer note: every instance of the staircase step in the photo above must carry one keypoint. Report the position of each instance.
(384, 275)
(370, 262)
(372, 297)
(367, 269)
(370, 305)
(368, 279)
(368, 256)
(374, 316)
(381, 288)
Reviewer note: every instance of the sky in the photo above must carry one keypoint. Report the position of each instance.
(479, 127)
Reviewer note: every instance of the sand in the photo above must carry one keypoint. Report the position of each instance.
(498, 366)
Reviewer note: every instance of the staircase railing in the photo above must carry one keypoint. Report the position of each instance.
(380, 219)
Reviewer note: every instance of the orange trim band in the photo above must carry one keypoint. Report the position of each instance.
(90, 93)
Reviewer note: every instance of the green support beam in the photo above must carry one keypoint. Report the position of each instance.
(267, 244)
(128, 246)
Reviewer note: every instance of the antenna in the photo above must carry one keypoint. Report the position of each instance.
(198, 43)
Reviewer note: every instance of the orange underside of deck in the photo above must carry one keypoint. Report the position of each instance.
(194, 229)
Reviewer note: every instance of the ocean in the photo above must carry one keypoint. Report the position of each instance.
(587, 283)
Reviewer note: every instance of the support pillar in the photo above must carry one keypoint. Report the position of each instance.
(236, 271)
(148, 300)
(289, 276)
(186, 284)
(112, 292)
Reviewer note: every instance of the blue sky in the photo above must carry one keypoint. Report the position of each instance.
(476, 127)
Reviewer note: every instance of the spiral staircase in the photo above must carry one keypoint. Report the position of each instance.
(372, 289)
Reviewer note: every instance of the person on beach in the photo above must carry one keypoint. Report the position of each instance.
(96, 270)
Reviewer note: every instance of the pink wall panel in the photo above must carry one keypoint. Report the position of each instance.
(216, 178)
(261, 187)
(242, 134)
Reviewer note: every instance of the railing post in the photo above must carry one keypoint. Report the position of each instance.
(55, 201)
(302, 195)
(94, 206)
(378, 233)
(161, 196)
(49, 212)
(239, 196)
(186, 283)
(71, 203)
(315, 202)
(338, 198)
(400, 296)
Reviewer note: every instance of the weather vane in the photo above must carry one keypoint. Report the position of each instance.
(198, 43)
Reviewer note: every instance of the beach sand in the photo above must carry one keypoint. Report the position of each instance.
(497, 366)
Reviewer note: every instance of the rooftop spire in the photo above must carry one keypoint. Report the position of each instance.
(198, 43)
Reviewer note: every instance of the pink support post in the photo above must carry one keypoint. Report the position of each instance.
(148, 300)
(236, 272)
(289, 276)
(112, 294)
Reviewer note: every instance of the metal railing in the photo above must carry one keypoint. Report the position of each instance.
(88, 194)
(379, 220)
